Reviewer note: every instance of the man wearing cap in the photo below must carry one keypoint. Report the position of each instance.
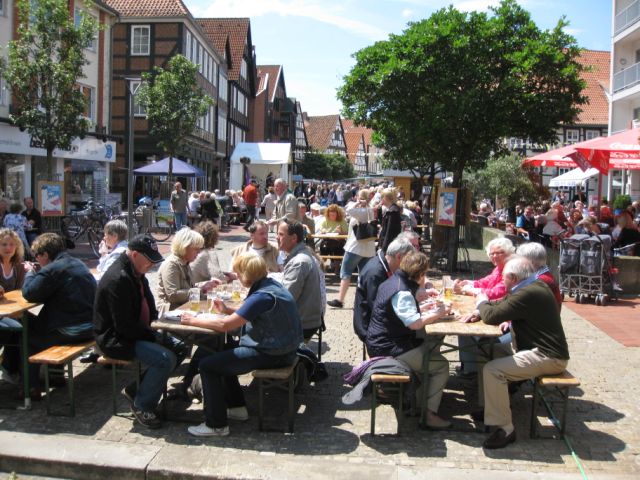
(123, 311)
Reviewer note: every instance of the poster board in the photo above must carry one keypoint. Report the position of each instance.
(51, 198)
(446, 211)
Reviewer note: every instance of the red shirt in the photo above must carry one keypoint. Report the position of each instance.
(250, 195)
(547, 278)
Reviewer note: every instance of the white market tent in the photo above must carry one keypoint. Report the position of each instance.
(572, 178)
(263, 158)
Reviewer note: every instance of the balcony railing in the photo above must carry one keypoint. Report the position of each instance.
(626, 78)
(626, 17)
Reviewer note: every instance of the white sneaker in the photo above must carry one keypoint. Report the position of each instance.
(203, 430)
(238, 413)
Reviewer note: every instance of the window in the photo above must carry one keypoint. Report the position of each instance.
(222, 127)
(3, 91)
(242, 103)
(77, 20)
(243, 68)
(140, 39)
(589, 134)
(194, 50)
(214, 74)
(572, 135)
(89, 101)
(222, 91)
(187, 46)
(200, 59)
(138, 110)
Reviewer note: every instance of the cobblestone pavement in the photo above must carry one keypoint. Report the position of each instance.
(602, 416)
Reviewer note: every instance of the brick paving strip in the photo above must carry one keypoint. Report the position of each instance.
(332, 440)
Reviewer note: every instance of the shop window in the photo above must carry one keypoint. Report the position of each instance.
(12, 169)
(140, 39)
(77, 21)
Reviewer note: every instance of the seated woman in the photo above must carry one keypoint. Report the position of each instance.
(174, 276)
(206, 265)
(113, 244)
(628, 234)
(13, 272)
(271, 332)
(499, 250)
(395, 319)
(334, 222)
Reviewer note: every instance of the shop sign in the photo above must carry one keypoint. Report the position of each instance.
(12, 140)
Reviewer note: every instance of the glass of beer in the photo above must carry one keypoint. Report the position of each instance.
(211, 297)
(194, 299)
(447, 286)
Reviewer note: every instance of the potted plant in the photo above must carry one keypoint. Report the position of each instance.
(621, 202)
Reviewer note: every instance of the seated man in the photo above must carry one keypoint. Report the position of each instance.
(301, 275)
(124, 309)
(541, 344)
(395, 320)
(66, 288)
(34, 219)
(526, 222)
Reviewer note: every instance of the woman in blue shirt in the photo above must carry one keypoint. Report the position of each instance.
(271, 332)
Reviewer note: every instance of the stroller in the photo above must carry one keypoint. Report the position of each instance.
(585, 268)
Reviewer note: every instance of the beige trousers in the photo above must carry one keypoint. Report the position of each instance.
(438, 372)
(508, 365)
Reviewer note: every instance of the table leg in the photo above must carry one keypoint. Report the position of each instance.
(25, 363)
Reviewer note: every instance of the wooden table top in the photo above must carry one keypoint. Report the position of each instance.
(13, 304)
(329, 236)
(451, 325)
(179, 329)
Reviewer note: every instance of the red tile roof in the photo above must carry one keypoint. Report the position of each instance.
(353, 141)
(350, 127)
(157, 8)
(319, 131)
(236, 31)
(273, 72)
(596, 111)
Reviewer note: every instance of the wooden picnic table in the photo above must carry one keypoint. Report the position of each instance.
(329, 236)
(13, 305)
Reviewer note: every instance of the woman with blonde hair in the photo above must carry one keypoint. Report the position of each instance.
(12, 278)
(271, 331)
(174, 276)
(207, 265)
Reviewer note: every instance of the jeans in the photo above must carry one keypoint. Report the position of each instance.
(468, 356)
(350, 262)
(180, 219)
(10, 336)
(220, 385)
(160, 362)
(251, 215)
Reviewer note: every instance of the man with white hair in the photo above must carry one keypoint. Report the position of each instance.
(541, 344)
(286, 205)
(537, 255)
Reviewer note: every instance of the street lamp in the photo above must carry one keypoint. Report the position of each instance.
(133, 84)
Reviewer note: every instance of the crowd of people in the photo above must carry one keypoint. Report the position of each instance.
(286, 301)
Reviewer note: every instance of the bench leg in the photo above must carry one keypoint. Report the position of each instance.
(374, 404)
(260, 404)
(291, 400)
(46, 388)
(72, 399)
(533, 428)
(564, 393)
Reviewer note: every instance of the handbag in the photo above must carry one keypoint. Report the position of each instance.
(366, 231)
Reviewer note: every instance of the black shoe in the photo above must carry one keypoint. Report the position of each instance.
(91, 357)
(335, 303)
(478, 416)
(147, 419)
(499, 439)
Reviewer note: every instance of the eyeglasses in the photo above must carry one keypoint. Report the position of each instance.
(496, 253)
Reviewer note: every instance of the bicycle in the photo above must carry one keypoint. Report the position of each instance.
(160, 226)
(86, 222)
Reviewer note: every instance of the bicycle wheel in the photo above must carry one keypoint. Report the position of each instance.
(70, 227)
(94, 241)
(162, 233)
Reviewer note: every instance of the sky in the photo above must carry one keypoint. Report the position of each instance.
(314, 39)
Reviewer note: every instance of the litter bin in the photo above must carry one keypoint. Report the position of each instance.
(143, 215)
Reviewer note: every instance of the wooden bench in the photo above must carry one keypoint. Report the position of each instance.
(115, 363)
(550, 389)
(393, 385)
(280, 378)
(61, 355)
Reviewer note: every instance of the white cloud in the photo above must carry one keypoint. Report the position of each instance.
(324, 12)
(407, 12)
(572, 31)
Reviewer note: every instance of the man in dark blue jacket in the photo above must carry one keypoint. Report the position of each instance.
(66, 288)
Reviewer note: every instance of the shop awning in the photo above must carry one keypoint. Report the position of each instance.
(573, 178)
(161, 168)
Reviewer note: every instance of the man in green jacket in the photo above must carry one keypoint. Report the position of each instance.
(539, 346)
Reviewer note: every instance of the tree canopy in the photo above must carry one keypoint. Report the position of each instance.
(174, 102)
(44, 65)
(450, 87)
(325, 166)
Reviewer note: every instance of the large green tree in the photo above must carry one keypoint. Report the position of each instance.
(450, 87)
(325, 166)
(44, 65)
(174, 102)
